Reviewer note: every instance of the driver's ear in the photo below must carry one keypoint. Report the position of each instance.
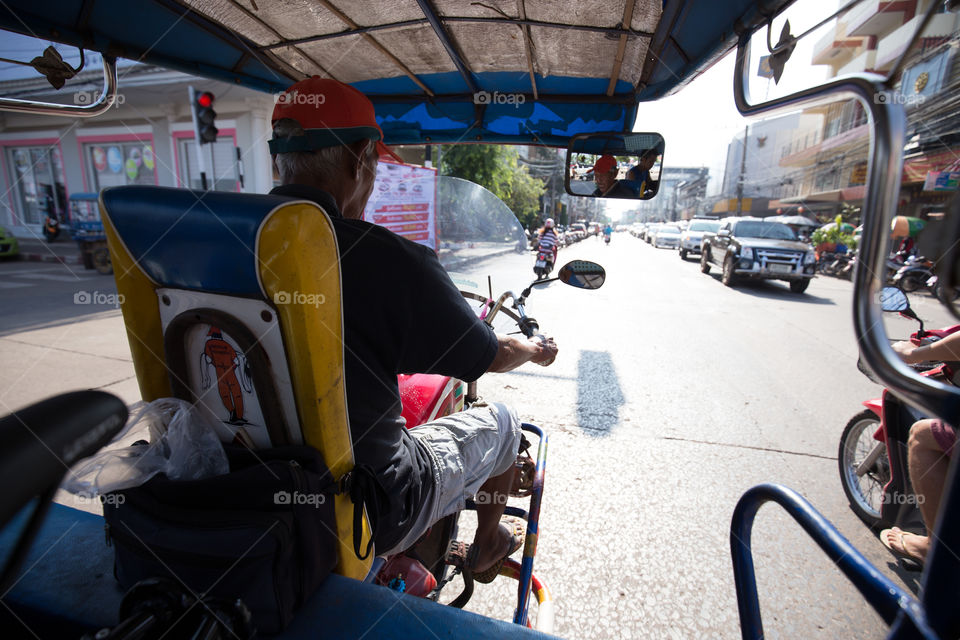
(358, 156)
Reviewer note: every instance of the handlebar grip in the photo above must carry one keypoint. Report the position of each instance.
(529, 326)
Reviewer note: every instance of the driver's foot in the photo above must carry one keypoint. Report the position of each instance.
(491, 551)
(906, 544)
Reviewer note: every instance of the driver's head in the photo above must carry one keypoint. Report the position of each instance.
(325, 135)
(548, 223)
(648, 159)
(605, 171)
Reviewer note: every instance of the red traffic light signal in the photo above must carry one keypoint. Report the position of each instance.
(203, 116)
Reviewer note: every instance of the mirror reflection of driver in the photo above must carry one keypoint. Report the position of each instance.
(638, 177)
(605, 175)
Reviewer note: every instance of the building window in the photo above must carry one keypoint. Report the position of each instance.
(221, 165)
(114, 164)
(36, 176)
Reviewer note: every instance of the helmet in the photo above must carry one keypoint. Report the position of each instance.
(548, 224)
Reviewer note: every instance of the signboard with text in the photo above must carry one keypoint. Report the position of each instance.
(404, 201)
(941, 181)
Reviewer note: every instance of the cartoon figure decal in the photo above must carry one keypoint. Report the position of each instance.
(228, 364)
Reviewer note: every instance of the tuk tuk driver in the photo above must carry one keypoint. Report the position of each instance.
(605, 172)
(402, 314)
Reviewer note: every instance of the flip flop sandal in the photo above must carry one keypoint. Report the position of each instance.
(519, 533)
(884, 535)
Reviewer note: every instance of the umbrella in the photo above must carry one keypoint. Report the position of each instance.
(904, 226)
(798, 221)
(845, 227)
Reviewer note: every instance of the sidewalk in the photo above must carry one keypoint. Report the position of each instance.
(63, 250)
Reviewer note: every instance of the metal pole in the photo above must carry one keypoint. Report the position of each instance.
(743, 167)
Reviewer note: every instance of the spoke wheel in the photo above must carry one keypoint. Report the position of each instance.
(865, 492)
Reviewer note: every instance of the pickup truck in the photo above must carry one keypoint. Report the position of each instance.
(760, 250)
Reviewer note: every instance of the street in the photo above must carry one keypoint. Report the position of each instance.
(671, 396)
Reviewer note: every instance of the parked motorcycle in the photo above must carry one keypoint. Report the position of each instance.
(872, 457)
(914, 274)
(51, 227)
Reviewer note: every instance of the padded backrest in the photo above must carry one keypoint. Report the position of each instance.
(233, 301)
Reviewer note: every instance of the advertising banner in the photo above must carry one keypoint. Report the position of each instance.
(404, 200)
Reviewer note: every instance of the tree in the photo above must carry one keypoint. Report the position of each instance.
(495, 167)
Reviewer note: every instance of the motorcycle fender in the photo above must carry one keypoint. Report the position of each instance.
(876, 407)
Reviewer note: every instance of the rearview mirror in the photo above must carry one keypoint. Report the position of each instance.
(893, 299)
(582, 274)
(614, 165)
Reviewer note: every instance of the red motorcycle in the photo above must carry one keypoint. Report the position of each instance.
(544, 264)
(873, 448)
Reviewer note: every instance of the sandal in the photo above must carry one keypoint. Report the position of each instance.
(902, 551)
(519, 534)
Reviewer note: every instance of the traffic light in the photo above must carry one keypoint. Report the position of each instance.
(203, 116)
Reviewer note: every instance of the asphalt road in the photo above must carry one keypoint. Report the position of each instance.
(672, 395)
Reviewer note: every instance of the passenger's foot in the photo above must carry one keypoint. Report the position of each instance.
(491, 554)
(905, 544)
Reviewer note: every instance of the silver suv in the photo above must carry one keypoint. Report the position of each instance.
(691, 237)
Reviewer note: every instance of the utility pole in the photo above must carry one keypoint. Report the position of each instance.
(743, 166)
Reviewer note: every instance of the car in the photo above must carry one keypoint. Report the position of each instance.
(690, 239)
(667, 235)
(651, 232)
(9, 246)
(759, 250)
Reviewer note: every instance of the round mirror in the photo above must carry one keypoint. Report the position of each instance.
(893, 299)
(582, 274)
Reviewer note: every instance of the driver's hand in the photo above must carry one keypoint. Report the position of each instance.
(548, 350)
(905, 350)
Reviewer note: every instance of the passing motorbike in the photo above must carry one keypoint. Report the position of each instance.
(872, 457)
(544, 264)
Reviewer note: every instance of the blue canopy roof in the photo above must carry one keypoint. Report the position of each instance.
(437, 71)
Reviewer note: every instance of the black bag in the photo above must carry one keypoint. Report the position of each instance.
(265, 532)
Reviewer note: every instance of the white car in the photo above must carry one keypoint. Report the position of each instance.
(667, 235)
(691, 237)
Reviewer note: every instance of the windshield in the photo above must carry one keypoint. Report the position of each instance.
(704, 226)
(669, 229)
(758, 229)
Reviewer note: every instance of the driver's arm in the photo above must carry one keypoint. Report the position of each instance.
(513, 352)
(944, 350)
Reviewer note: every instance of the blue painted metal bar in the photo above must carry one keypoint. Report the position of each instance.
(533, 528)
(889, 600)
(427, 7)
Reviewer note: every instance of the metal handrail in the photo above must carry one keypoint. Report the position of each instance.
(106, 100)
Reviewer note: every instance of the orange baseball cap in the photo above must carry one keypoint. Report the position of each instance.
(604, 164)
(331, 113)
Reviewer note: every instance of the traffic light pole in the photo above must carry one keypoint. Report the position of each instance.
(201, 162)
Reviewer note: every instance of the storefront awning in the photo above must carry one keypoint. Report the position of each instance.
(915, 169)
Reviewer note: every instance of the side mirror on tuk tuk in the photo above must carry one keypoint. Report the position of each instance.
(582, 274)
(614, 165)
(893, 299)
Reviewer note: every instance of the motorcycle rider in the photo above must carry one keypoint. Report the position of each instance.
(930, 447)
(548, 240)
(408, 318)
(607, 232)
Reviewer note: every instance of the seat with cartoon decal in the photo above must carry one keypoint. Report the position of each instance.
(232, 301)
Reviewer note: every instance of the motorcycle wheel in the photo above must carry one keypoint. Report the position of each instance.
(865, 492)
(911, 282)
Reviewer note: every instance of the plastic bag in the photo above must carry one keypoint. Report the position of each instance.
(168, 436)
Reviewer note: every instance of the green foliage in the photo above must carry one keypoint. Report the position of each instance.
(834, 235)
(496, 168)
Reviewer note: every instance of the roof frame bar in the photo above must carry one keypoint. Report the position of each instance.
(376, 44)
(431, 14)
(528, 47)
(357, 30)
(621, 47)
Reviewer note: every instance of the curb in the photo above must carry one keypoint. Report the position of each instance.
(49, 257)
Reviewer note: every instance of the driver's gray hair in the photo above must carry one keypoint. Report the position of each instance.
(325, 161)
